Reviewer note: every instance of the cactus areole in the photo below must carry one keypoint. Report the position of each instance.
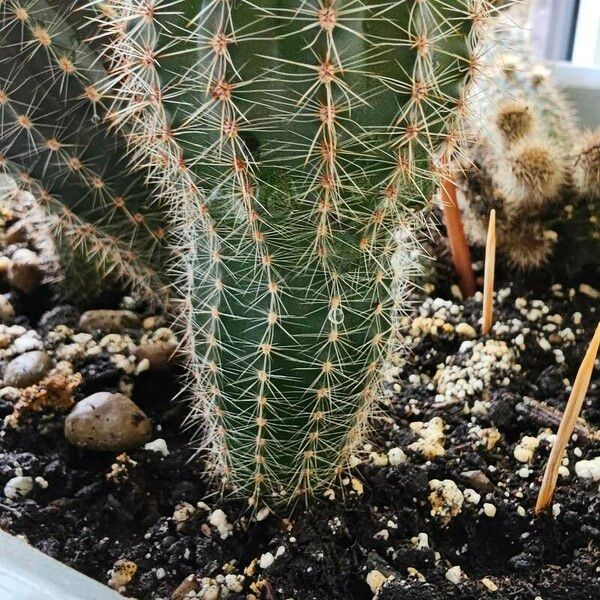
(297, 139)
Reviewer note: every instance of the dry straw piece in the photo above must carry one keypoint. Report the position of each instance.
(488, 282)
(567, 423)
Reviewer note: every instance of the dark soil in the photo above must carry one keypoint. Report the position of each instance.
(98, 508)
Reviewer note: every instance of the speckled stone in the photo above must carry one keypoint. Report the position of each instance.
(27, 369)
(106, 421)
(108, 321)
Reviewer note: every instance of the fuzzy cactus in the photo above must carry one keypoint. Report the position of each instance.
(55, 142)
(531, 163)
(295, 142)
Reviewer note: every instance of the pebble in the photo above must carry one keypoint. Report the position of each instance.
(27, 369)
(158, 354)
(489, 510)
(108, 321)
(478, 480)
(158, 445)
(489, 584)
(4, 265)
(10, 394)
(375, 579)
(186, 588)
(18, 487)
(109, 422)
(454, 575)
(27, 342)
(7, 312)
(24, 273)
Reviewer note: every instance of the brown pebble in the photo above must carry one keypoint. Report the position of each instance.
(478, 480)
(27, 369)
(159, 354)
(24, 273)
(108, 321)
(189, 584)
(109, 422)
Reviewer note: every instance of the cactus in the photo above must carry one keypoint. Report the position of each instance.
(528, 162)
(55, 141)
(295, 143)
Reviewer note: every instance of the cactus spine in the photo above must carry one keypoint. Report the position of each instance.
(55, 142)
(295, 143)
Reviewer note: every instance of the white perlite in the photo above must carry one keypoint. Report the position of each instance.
(431, 434)
(481, 364)
(375, 579)
(396, 456)
(219, 519)
(266, 560)
(446, 499)
(471, 496)
(588, 469)
(454, 575)
(524, 450)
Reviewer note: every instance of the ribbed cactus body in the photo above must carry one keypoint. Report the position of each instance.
(55, 142)
(297, 142)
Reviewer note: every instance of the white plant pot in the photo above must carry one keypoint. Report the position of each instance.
(28, 574)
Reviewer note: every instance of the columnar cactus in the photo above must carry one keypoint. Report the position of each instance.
(295, 142)
(55, 142)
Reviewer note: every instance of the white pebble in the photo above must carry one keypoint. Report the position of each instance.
(489, 510)
(158, 445)
(18, 487)
(454, 575)
(396, 456)
(266, 560)
(471, 496)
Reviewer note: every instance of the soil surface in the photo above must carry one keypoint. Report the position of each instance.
(440, 504)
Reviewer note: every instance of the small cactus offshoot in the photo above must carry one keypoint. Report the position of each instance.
(528, 163)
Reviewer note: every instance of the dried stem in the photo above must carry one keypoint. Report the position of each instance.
(461, 255)
(567, 424)
(488, 284)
